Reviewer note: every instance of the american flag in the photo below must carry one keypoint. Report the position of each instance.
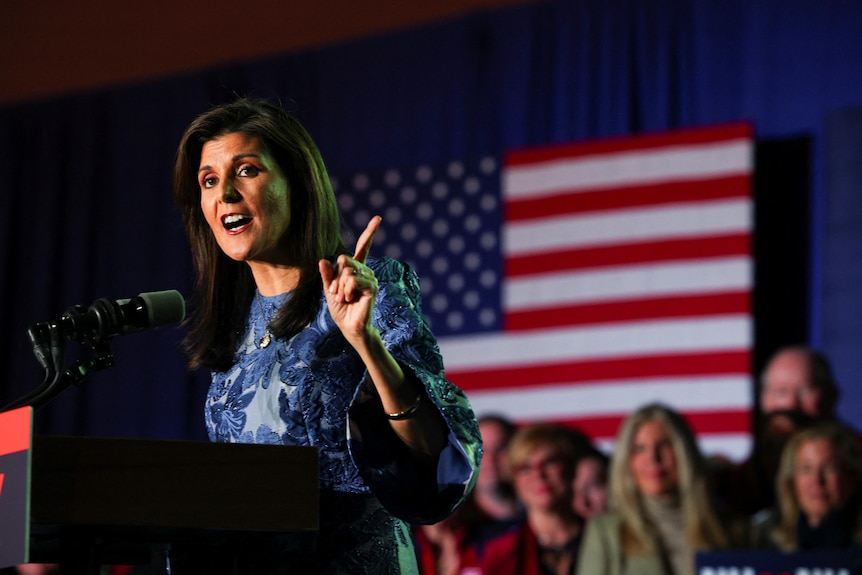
(575, 283)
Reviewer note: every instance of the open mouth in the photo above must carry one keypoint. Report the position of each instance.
(235, 222)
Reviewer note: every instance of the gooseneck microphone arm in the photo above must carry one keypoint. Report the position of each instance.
(95, 326)
(50, 349)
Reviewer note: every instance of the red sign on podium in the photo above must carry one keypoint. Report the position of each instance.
(16, 431)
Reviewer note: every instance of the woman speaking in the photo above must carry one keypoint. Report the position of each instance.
(310, 345)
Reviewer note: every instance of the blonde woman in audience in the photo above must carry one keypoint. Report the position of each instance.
(662, 510)
(542, 459)
(818, 492)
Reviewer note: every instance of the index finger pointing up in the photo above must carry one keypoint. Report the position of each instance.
(363, 244)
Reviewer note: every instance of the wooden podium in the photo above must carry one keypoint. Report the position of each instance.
(101, 501)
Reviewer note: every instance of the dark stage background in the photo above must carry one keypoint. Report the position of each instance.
(87, 201)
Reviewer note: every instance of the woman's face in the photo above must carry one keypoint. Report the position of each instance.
(495, 466)
(244, 198)
(820, 481)
(589, 488)
(653, 461)
(543, 480)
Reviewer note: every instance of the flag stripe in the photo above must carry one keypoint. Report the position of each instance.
(579, 372)
(628, 282)
(621, 227)
(615, 341)
(605, 398)
(570, 201)
(691, 137)
(635, 309)
(640, 252)
(633, 167)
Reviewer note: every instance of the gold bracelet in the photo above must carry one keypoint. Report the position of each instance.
(407, 412)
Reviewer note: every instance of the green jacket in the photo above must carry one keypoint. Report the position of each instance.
(601, 552)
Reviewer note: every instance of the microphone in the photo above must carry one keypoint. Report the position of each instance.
(107, 318)
(94, 325)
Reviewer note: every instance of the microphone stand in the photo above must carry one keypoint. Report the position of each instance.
(49, 346)
(48, 340)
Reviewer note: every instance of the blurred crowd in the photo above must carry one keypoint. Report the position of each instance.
(548, 501)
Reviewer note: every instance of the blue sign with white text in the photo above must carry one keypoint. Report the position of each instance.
(779, 563)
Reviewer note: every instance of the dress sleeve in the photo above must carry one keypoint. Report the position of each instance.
(408, 490)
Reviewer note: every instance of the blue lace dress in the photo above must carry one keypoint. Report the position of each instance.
(313, 390)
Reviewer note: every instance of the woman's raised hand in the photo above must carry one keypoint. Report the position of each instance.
(351, 287)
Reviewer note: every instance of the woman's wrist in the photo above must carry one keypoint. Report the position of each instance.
(409, 412)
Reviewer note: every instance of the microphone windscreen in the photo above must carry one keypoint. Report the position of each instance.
(164, 307)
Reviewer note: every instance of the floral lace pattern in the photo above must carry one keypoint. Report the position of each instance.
(310, 389)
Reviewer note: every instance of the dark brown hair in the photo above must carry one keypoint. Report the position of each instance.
(224, 288)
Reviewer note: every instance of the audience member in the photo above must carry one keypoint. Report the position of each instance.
(456, 544)
(818, 492)
(448, 547)
(542, 457)
(494, 493)
(749, 488)
(798, 378)
(796, 388)
(662, 509)
(590, 486)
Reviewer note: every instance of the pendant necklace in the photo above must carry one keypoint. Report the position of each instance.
(266, 339)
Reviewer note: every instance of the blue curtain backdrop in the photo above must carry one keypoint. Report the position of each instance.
(842, 253)
(87, 201)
